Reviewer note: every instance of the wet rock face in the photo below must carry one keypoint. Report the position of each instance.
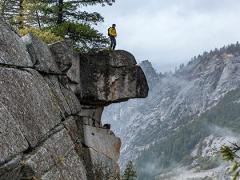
(51, 102)
(111, 76)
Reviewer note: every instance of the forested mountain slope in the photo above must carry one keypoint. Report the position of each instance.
(193, 110)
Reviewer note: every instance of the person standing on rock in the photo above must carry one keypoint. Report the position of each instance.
(112, 33)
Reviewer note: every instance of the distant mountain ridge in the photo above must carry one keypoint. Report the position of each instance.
(154, 130)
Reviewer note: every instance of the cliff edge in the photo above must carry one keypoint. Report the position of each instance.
(52, 99)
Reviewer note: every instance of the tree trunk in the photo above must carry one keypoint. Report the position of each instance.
(3, 8)
(60, 12)
(21, 15)
(38, 20)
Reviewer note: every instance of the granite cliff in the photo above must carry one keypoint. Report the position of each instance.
(52, 99)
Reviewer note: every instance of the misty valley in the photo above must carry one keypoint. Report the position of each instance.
(178, 130)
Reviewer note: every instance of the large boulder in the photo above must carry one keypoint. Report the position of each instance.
(41, 55)
(68, 63)
(109, 77)
(63, 54)
(12, 50)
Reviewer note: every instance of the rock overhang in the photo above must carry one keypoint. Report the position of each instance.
(111, 77)
(51, 95)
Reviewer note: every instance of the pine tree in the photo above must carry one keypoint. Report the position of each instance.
(12, 11)
(35, 13)
(63, 18)
(129, 172)
(229, 153)
(70, 21)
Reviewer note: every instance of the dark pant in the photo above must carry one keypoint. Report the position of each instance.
(113, 42)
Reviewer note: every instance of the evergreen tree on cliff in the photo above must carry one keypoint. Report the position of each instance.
(63, 18)
(231, 154)
(129, 172)
(12, 11)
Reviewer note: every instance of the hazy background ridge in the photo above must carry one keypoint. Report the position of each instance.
(170, 32)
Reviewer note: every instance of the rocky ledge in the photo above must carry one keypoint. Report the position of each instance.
(51, 103)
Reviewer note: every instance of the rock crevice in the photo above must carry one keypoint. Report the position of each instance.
(52, 99)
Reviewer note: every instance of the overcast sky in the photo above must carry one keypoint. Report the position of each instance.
(170, 32)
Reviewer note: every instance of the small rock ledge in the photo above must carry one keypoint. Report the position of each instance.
(51, 104)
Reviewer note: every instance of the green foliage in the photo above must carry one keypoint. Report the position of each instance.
(11, 10)
(63, 18)
(44, 35)
(129, 172)
(233, 49)
(84, 36)
(229, 153)
(176, 147)
(36, 13)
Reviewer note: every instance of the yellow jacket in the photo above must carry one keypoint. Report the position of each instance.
(112, 32)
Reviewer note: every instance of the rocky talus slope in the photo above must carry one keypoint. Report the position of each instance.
(51, 101)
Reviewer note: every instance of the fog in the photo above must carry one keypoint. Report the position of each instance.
(171, 32)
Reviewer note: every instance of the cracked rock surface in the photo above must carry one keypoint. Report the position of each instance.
(51, 102)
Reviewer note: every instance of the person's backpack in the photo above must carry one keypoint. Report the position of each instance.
(109, 34)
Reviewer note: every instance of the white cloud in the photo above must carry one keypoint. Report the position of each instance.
(171, 32)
